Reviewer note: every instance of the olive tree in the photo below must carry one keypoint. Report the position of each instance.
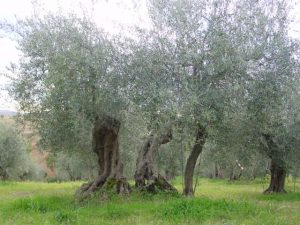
(67, 85)
(274, 82)
(218, 48)
(206, 48)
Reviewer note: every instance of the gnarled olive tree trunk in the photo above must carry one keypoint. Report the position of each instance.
(278, 171)
(192, 159)
(106, 147)
(278, 174)
(146, 175)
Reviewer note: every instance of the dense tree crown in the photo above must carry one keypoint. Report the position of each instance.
(223, 74)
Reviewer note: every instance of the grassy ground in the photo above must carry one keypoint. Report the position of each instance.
(216, 202)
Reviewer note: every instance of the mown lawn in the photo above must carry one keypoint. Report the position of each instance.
(216, 202)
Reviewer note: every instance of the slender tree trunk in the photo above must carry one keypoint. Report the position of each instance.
(192, 159)
(278, 175)
(241, 169)
(216, 170)
(236, 175)
(146, 175)
(3, 174)
(231, 175)
(106, 147)
(197, 174)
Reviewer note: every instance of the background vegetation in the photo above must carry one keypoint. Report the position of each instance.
(222, 77)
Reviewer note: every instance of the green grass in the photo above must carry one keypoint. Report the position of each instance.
(216, 202)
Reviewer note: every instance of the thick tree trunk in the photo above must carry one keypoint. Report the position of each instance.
(278, 171)
(146, 175)
(106, 147)
(192, 159)
(278, 175)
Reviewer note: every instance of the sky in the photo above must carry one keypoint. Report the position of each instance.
(111, 15)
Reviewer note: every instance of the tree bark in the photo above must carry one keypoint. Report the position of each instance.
(146, 175)
(3, 174)
(218, 172)
(192, 159)
(277, 169)
(106, 147)
(236, 175)
(278, 175)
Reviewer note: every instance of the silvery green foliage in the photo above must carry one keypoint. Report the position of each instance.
(67, 75)
(202, 47)
(15, 162)
(226, 65)
(188, 67)
(229, 60)
(70, 72)
(273, 86)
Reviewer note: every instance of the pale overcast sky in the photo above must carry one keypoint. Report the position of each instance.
(106, 13)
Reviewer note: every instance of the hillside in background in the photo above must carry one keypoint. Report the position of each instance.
(39, 157)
